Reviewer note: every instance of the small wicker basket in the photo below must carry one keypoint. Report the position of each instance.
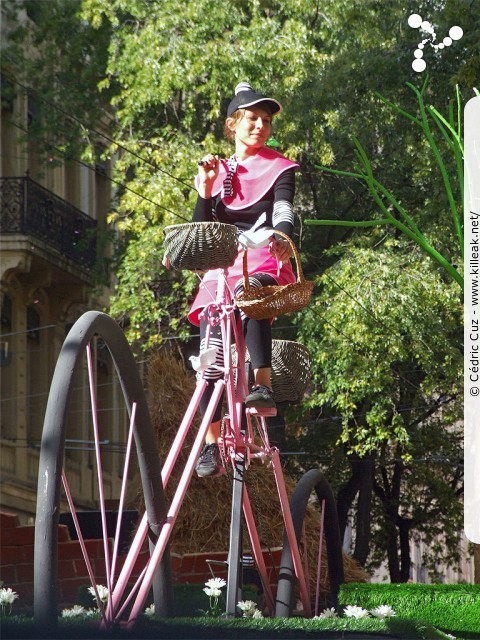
(274, 300)
(290, 370)
(200, 246)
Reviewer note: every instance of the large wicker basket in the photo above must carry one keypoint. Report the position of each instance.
(290, 370)
(274, 300)
(200, 246)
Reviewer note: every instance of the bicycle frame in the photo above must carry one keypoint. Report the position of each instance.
(237, 442)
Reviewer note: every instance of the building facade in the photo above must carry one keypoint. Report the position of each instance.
(52, 263)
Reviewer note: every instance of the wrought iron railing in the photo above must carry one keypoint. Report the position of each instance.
(29, 209)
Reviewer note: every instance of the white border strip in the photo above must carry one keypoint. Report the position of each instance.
(472, 320)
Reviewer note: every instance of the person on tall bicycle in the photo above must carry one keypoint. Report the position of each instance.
(255, 187)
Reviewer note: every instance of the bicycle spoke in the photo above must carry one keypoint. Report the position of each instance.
(99, 473)
(319, 556)
(126, 466)
(81, 540)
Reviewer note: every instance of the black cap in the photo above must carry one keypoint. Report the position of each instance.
(245, 97)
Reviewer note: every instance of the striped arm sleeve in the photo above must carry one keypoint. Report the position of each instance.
(282, 214)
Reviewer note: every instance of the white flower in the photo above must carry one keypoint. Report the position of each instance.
(102, 592)
(215, 583)
(352, 611)
(76, 610)
(383, 611)
(328, 613)
(150, 611)
(246, 605)
(7, 596)
(249, 608)
(213, 587)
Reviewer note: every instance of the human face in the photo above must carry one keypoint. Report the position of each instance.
(252, 130)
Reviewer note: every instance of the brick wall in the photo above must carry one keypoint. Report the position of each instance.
(16, 563)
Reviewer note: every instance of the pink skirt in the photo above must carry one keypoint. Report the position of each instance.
(259, 260)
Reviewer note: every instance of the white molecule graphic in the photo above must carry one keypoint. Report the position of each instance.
(416, 22)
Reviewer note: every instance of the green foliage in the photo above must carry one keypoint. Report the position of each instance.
(384, 337)
(392, 210)
(381, 315)
(58, 59)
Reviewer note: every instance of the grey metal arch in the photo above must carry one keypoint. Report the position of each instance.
(51, 459)
(311, 481)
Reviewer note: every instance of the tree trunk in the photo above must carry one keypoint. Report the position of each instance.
(476, 563)
(405, 560)
(345, 497)
(361, 483)
(392, 551)
(364, 510)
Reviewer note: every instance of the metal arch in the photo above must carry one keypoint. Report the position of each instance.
(51, 460)
(312, 480)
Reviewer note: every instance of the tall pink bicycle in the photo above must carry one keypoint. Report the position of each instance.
(244, 442)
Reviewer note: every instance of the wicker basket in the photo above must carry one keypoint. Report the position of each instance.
(201, 246)
(290, 370)
(274, 300)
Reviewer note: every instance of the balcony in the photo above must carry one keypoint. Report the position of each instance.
(29, 209)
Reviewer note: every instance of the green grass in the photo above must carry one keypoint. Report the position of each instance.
(238, 628)
(424, 612)
(454, 609)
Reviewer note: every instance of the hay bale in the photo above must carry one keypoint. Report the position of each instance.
(203, 523)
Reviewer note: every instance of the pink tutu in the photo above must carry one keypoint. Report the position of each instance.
(259, 260)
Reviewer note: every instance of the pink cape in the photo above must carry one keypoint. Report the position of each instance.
(254, 178)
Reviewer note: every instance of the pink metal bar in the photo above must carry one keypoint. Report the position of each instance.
(175, 504)
(123, 491)
(129, 563)
(305, 556)
(257, 551)
(100, 478)
(81, 540)
(289, 528)
(319, 559)
(182, 431)
(227, 354)
(241, 387)
(143, 528)
(132, 593)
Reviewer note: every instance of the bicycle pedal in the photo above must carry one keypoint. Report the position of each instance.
(269, 412)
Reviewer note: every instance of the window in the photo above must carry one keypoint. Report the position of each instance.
(7, 94)
(6, 314)
(33, 324)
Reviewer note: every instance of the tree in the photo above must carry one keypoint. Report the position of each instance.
(384, 332)
(58, 59)
(168, 74)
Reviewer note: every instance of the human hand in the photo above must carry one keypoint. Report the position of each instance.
(208, 167)
(281, 249)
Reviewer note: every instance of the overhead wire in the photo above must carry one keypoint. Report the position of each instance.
(106, 137)
(108, 177)
(172, 176)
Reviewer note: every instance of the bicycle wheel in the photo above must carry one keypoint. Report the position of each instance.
(96, 412)
(309, 532)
